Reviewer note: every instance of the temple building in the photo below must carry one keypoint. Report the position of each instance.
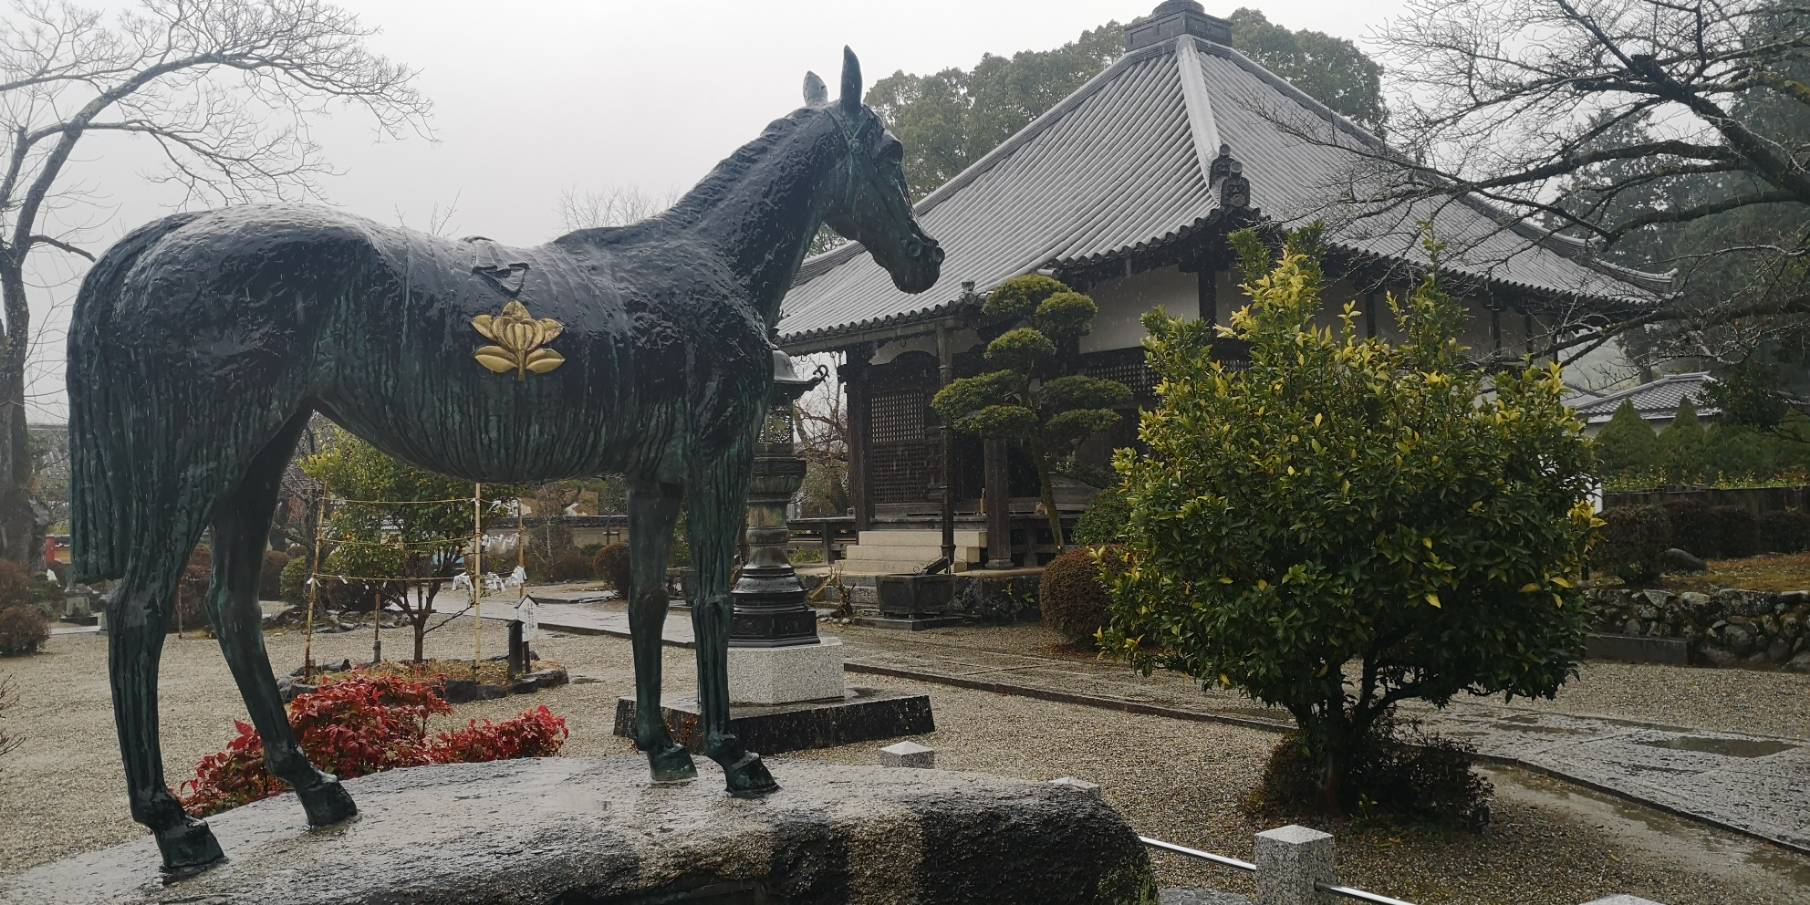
(1127, 190)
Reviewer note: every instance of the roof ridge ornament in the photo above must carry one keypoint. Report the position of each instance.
(1228, 173)
(1174, 18)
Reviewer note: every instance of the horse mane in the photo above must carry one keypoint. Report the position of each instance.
(703, 197)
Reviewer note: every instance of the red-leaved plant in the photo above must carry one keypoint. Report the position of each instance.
(362, 725)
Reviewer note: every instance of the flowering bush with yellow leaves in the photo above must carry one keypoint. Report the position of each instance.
(1350, 522)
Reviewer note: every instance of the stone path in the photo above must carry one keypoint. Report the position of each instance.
(1756, 785)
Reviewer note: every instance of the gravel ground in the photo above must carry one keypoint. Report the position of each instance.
(1178, 781)
(1761, 702)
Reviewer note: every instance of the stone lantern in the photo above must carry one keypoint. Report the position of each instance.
(775, 654)
(770, 608)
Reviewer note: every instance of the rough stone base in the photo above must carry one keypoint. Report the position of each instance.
(785, 675)
(580, 831)
(862, 714)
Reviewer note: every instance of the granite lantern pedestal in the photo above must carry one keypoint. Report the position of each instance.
(786, 689)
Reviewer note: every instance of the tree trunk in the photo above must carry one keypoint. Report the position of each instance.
(1048, 491)
(21, 532)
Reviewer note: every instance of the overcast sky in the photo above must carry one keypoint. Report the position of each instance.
(535, 96)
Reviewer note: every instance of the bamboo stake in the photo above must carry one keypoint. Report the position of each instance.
(477, 575)
(314, 589)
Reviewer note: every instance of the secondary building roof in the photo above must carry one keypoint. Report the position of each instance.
(1123, 163)
(1657, 401)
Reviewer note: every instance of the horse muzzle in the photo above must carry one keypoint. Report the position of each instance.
(923, 264)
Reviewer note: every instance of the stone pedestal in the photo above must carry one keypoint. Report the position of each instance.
(857, 715)
(566, 829)
(786, 675)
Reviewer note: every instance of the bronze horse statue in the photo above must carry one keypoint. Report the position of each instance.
(202, 343)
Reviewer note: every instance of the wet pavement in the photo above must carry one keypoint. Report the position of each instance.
(1755, 785)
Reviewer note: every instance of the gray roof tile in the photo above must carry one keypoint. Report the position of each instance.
(1119, 164)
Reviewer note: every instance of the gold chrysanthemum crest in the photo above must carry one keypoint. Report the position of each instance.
(519, 340)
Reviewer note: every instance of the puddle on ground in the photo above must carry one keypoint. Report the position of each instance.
(1512, 726)
(1701, 849)
(1732, 747)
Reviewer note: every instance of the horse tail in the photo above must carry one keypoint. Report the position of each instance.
(102, 500)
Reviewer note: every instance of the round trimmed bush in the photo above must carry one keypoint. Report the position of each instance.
(15, 585)
(270, 575)
(1632, 539)
(23, 630)
(1104, 520)
(292, 586)
(1691, 529)
(1736, 528)
(1784, 531)
(1072, 596)
(612, 565)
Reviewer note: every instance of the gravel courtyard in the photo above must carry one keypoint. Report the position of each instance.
(1549, 844)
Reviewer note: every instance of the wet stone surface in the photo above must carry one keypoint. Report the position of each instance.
(577, 830)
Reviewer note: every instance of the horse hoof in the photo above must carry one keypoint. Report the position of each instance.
(327, 802)
(747, 777)
(188, 847)
(671, 763)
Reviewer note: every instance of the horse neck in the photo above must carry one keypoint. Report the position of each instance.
(764, 216)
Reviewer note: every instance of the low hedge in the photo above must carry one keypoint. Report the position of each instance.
(1632, 540)
(1784, 531)
(1072, 596)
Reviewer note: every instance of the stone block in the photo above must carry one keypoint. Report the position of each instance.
(860, 715)
(1623, 900)
(1290, 861)
(1079, 785)
(908, 754)
(1637, 649)
(570, 829)
(786, 675)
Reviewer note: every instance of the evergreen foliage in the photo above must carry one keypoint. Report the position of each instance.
(1344, 525)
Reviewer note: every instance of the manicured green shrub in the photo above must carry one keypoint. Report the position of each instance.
(1784, 531)
(1350, 503)
(612, 565)
(1737, 530)
(23, 630)
(1691, 529)
(1632, 539)
(190, 613)
(270, 575)
(1071, 595)
(1684, 447)
(568, 565)
(293, 587)
(1104, 520)
(1626, 445)
(15, 585)
(1401, 773)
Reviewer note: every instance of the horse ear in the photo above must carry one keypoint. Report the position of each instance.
(815, 94)
(851, 80)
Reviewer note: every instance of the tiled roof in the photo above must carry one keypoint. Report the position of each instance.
(1657, 400)
(1122, 163)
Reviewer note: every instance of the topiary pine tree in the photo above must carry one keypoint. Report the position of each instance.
(1626, 446)
(1684, 446)
(1348, 523)
(1035, 396)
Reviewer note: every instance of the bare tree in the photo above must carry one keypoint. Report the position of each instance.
(221, 89)
(613, 206)
(1657, 133)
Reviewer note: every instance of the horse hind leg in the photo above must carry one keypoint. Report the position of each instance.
(241, 531)
(717, 503)
(136, 615)
(653, 509)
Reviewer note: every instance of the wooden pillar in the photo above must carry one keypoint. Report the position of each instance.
(854, 382)
(997, 497)
(945, 372)
(1495, 330)
(1206, 290)
(1371, 314)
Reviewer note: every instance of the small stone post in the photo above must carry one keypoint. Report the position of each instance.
(1290, 860)
(908, 754)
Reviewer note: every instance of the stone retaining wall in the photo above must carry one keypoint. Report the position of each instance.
(1728, 627)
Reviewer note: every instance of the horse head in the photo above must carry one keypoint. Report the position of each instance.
(873, 206)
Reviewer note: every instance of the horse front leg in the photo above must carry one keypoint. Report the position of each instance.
(135, 634)
(653, 509)
(717, 503)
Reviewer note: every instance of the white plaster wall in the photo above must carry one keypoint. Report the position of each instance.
(1125, 300)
